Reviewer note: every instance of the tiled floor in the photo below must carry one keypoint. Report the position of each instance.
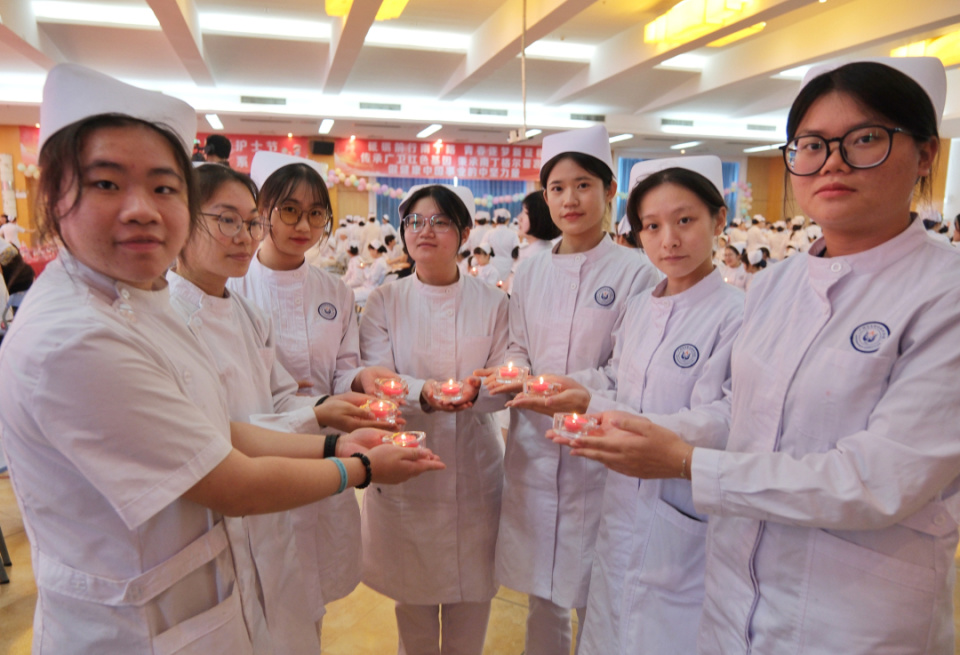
(360, 624)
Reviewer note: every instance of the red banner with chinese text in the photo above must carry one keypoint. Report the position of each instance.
(420, 159)
(245, 146)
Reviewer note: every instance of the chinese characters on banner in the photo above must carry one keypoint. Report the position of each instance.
(245, 146)
(419, 159)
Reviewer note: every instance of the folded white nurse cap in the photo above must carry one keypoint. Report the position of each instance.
(593, 141)
(928, 72)
(755, 257)
(73, 93)
(266, 163)
(465, 195)
(708, 166)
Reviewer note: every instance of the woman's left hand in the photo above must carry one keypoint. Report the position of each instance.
(432, 397)
(360, 441)
(634, 446)
(571, 396)
(366, 381)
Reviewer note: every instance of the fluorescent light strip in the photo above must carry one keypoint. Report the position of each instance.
(264, 26)
(533, 133)
(764, 148)
(562, 50)
(214, 121)
(430, 129)
(403, 37)
(620, 137)
(89, 13)
(793, 73)
(717, 130)
(684, 62)
(325, 126)
(688, 144)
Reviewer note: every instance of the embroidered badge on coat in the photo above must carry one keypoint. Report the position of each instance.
(327, 311)
(867, 337)
(605, 296)
(686, 355)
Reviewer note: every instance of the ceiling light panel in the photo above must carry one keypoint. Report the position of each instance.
(90, 13)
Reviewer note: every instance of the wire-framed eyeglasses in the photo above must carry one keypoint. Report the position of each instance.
(231, 223)
(416, 222)
(861, 147)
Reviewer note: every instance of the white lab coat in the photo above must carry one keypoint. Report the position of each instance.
(736, 277)
(239, 337)
(355, 274)
(431, 539)
(647, 583)
(843, 540)
(563, 312)
(488, 274)
(11, 232)
(315, 328)
(502, 240)
(111, 411)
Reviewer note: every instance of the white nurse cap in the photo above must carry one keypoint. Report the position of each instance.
(755, 257)
(375, 244)
(484, 247)
(593, 141)
(465, 195)
(928, 72)
(798, 220)
(266, 163)
(484, 215)
(708, 166)
(73, 93)
(623, 227)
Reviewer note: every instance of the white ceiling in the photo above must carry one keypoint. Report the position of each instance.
(465, 58)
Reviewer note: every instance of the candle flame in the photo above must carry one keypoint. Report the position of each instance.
(450, 382)
(509, 364)
(541, 379)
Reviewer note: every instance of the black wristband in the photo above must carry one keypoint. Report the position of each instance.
(366, 465)
(330, 446)
(322, 400)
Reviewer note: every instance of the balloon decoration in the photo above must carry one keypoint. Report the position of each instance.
(29, 170)
(744, 191)
(338, 177)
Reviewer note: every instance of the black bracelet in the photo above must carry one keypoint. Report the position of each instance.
(366, 465)
(322, 400)
(330, 445)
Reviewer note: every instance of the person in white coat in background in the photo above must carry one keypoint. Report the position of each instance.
(833, 511)
(672, 352)
(386, 228)
(315, 323)
(565, 306)
(502, 240)
(483, 268)
(123, 506)
(430, 547)
(241, 340)
(732, 269)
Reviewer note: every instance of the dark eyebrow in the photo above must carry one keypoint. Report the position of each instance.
(870, 122)
(114, 166)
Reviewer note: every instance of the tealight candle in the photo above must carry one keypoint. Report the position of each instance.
(391, 388)
(573, 425)
(473, 271)
(406, 439)
(539, 387)
(382, 410)
(451, 391)
(510, 373)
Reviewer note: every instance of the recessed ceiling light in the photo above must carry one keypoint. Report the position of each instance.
(620, 137)
(214, 121)
(430, 129)
(325, 126)
(688, 144)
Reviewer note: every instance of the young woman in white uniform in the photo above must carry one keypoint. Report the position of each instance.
(240, 338)
(430, 547)
(672, 352)
(315, 324)
(115, 426)
(564, 308)
(834, 510)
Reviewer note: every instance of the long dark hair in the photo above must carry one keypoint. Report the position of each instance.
(538, 215)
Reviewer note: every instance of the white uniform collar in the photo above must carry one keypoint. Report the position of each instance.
(431, 290)
(702, 289)
(597, 252)
(873, 260)
(197, 297)
(298, 273)
(123, 296)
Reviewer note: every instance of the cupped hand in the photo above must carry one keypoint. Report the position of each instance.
(391, 464)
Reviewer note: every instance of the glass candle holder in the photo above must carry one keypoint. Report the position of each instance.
(508, 373)
(382, 410)
(406, 439)
(538, 387)
(573, 426)
(451, 391)
(391, 388)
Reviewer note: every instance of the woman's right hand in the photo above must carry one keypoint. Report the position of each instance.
(391, 464)
(489, 377)
(342, 413)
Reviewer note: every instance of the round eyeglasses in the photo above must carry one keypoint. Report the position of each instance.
(416, 222)
(290, 214)
(230, 224)
(861, 147)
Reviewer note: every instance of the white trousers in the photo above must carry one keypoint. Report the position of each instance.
(548, 627)
(463, 627)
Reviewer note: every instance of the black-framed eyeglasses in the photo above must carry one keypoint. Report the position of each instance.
(440, 223)
(231, 223)
(291, 214)
(861, 147)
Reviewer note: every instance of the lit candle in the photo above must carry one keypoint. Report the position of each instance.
(406, 439)
(573, 425)
(473, 271)
(382, 410)
(451, 390)
(391, 387)
(510, 373)
(539, 387)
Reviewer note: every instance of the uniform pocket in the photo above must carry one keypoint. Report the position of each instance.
(674, 554)
(217, 631)
(861, 601)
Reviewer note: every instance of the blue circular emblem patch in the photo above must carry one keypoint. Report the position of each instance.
(605, 296)
(686, 355)
(867, 337)
(327, 311)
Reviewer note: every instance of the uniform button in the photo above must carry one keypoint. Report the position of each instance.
(187, 376)
(939, 520)
(573, 285)
(449, 312)
(836, 267)
(299, 302)
(125, 294)
(579, 258)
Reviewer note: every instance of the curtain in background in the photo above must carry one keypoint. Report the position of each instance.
(480, 188)
(731, 173)
(623, 185)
